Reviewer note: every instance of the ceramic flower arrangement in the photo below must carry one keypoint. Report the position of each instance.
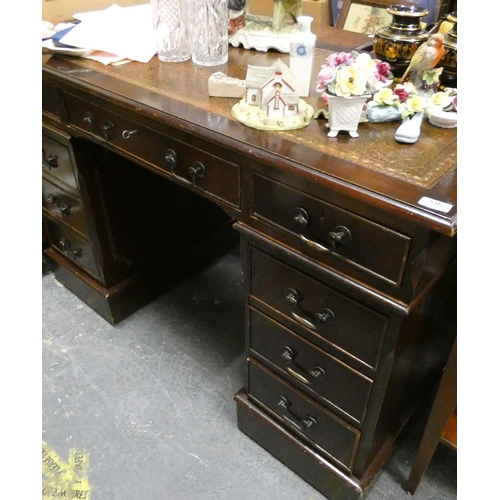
(405, 98)
(347, 74)
(406, 103)
(347, 79)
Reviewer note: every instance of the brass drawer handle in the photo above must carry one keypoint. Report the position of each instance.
(64, 208)
(171, 159)
(49, 161)
(339, 236)
(197, 171)
(66, 248)
(108, 129)
(301, 424)
(306, 377)
(323, 316)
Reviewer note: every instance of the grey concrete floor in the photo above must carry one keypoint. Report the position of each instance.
(148, 403)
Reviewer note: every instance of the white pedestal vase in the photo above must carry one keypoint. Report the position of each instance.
(344, 114)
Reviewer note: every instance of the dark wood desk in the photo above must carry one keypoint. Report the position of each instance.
(143, 177)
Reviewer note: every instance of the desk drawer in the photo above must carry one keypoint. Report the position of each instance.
(56, 161)
(313, 369)
(50, 101)
(75, 248)
(358, 242)
(321, 428)
(199, 169)
(351, 326)
(64, 206)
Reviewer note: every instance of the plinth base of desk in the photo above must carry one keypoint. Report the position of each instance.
(297, 456)
(119, 301)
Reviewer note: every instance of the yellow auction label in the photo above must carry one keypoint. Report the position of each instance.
(67, 480)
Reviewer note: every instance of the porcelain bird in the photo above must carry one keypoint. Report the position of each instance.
(427, 55)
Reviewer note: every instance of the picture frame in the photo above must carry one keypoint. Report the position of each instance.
(366, 16)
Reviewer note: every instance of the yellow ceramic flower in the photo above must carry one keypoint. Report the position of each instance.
(416, 104)
(441, 99)
(385, 97)
(350, 81)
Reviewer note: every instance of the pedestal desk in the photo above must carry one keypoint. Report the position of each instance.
(348, 323)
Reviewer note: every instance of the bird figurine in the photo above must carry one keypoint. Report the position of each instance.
(426, 56)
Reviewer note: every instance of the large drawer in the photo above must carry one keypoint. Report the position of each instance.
(206, 172)
(321, 428)
(56, 161)
(64, 206)
(331, 234)
(351, 326)
(315, 371)
(77, 249)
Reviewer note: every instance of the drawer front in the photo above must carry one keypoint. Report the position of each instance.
(75, 248)
(349, 325)
(56, 161)
(313, 369)
(331, 233)
(50, 100)
(205, 172)
(64, 206)
(321, 428)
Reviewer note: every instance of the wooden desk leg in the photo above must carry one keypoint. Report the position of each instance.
(444, 404)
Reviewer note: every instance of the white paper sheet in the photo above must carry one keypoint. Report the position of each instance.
(124, 31)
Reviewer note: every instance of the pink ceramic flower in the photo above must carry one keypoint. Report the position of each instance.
(335, 60)
(325, 76)
(384, 70)
(454, 102)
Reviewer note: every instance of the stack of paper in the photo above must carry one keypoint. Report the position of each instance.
(113, 35)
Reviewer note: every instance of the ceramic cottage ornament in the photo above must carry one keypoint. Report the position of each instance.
(348, 80)
(271, 101)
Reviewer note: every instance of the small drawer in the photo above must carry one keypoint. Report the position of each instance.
(203, 171)
(56, 161)
(75, 248)
(349, 325)
(321, 428)
(331, 234)
(314, 370)
(64, 206)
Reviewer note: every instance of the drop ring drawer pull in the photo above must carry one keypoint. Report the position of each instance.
(316, 373)
(127, 133)
(339, 236)
(323, 316)
(301, 424)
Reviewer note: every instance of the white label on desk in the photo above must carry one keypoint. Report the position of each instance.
(435, 204)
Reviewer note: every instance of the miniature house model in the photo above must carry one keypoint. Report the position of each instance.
(271, 88)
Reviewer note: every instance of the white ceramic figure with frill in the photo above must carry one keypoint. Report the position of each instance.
(347, 80)
(442, 111)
